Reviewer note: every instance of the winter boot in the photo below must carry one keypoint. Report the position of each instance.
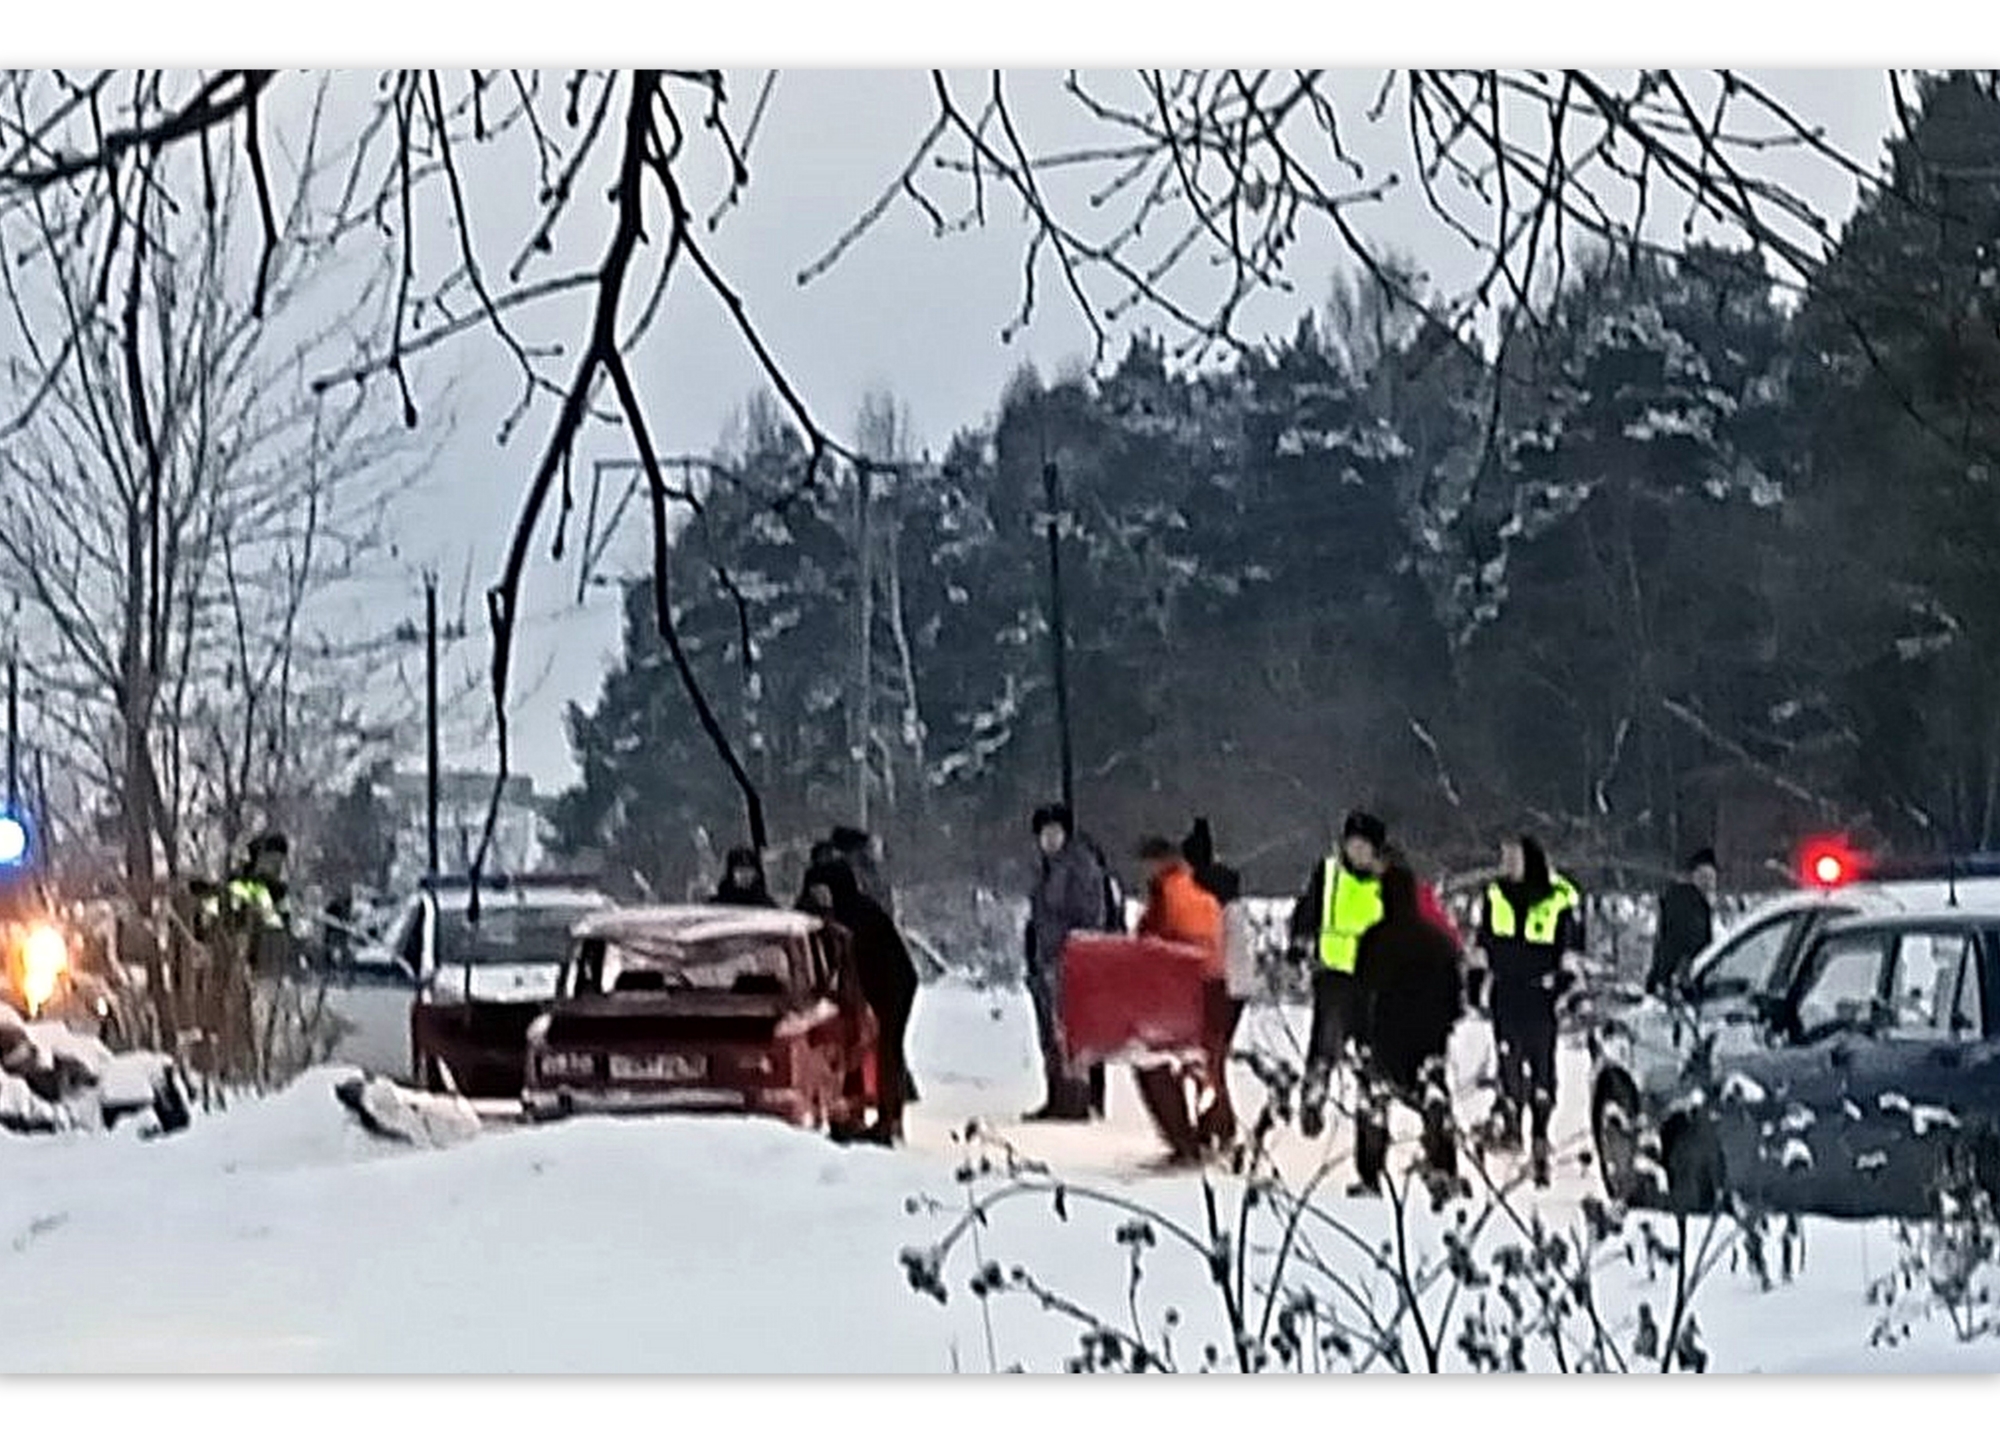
(1538, 1162)
(1312, 1103)
(1503, 1129)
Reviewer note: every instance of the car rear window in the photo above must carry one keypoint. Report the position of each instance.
(506, 935)
(741, 967)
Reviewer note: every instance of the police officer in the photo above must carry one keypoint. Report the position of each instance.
(1531, 922)
(1342, 900)
(252, 902)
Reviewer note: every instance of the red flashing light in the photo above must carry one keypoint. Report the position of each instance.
(1828, 863)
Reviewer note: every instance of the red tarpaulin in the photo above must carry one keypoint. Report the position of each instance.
(1126, 996)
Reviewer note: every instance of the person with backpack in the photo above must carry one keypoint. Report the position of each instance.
(1073, 892)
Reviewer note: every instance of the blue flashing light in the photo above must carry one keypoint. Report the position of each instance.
(13, 841)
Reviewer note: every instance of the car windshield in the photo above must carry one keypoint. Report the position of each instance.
(747, 966)
(506, 935)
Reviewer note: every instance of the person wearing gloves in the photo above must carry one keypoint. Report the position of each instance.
(1530, 926)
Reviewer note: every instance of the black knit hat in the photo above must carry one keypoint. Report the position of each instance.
(1054, 813)
(1365, 826)
(1702, 858)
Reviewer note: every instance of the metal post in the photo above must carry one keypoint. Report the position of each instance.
(1059, 637)
(431, 723)
(13, 735)
(864, 674)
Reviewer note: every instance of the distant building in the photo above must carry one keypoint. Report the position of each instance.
(463, 800)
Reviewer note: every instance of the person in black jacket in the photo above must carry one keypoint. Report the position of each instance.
(1687, 923)
(888, 980)
(743, 884)
(1407, 997)
(1531, 923)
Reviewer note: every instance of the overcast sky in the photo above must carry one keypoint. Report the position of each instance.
(917, 315)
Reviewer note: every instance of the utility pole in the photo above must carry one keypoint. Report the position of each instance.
(864, 681)
(431, 723)
(13, 735)
(1059, 635)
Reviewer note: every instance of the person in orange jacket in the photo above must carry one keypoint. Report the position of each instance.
(1179, 910)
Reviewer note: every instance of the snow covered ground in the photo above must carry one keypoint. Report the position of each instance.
(279, 1237)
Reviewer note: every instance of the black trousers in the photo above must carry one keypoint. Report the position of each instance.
(1332, 1024)
(1063, 1091)
(1524, 1037)
(1426, 1092)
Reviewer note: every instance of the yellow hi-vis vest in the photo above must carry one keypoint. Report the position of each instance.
(1351, 906)
(1542, 918)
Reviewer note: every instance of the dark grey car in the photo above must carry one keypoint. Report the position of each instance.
(1870, 1083)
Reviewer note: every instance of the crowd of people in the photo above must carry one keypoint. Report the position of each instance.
(1391, 978)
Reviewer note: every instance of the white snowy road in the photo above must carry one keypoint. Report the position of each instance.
(278, 1238)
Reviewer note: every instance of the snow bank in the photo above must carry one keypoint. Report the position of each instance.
(281, 1237)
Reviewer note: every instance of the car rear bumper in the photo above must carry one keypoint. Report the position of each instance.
(559, 1103)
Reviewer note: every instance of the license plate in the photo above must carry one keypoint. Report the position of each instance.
(660, 1068)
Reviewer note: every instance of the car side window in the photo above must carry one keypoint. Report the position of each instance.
(1968, 1015)
(1926, 987)
(1845, 986)
(1745, 966)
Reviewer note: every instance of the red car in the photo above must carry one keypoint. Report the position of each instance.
(704, 1009)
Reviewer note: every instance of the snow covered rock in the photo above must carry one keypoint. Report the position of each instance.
(429, 1121)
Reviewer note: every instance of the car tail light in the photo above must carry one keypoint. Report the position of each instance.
(566, 1066)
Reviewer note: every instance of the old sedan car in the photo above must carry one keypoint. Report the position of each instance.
(1867, 1087)
(704, 1009)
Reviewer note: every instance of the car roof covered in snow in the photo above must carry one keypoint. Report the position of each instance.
(1918, 897)
(1986, 916)
(695, 923)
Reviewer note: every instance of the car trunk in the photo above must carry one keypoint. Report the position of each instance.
(626, 1020)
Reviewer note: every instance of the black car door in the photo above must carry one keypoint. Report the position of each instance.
(1925, 1076)
(1781, 1110)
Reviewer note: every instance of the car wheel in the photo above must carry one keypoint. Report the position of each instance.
(1694, 1165)
(1615, 1130)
